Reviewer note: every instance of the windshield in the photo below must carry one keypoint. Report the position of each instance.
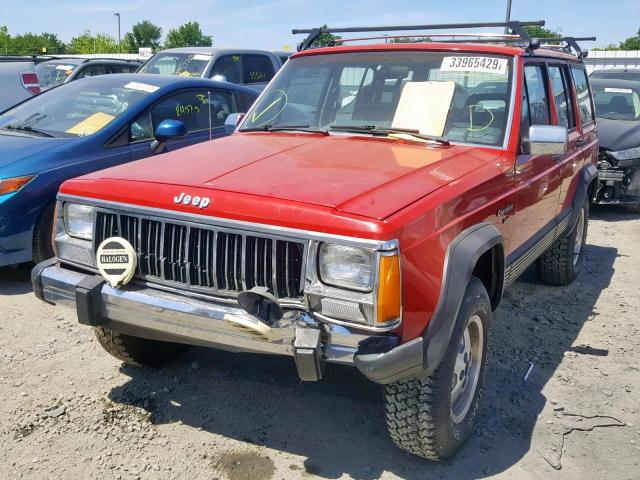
(462, 97)
(617, 103)
(52, 74)
(77, 108)
(183, 64)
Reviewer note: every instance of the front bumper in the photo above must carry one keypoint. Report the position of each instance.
(146, 312)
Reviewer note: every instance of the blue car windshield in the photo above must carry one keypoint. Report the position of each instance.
(77, 109)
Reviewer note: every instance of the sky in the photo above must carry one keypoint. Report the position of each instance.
(267, 24)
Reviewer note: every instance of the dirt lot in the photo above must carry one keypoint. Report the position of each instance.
(69, 410)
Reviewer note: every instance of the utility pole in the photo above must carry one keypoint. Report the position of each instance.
(120, 41)
(508, 17)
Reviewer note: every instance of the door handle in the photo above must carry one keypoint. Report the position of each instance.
(581, 142)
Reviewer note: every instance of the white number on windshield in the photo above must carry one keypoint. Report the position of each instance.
(474, 64)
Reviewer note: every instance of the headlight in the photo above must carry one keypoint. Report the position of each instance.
(10, 185)
(347, 267)
(626, 154)
(78, 220)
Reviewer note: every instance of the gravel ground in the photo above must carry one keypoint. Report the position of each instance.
(69, 410)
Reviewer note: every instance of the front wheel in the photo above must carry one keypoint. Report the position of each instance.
(433, 417)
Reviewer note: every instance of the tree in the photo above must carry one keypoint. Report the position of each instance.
(143, 34)
(536, 31)
(33, 44)
(326, 39)
(409, 39)
(88, 43)
(631, 43)
(187, 35)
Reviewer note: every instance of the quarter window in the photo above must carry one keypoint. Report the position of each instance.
(583, 95)
(537, 94)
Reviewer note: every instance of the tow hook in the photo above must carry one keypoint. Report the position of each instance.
(307, 352)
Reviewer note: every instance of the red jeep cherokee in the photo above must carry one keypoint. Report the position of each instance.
(369, 210)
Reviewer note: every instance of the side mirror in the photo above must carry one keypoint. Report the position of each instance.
(232, 122)
(167, 130)
(547, 140)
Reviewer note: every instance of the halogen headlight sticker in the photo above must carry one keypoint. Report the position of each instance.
(116, 261)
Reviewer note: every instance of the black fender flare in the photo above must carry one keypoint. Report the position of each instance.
(460, 260)
(588, 174)
(422, 355)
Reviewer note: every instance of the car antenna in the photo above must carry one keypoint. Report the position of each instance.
(209, 105)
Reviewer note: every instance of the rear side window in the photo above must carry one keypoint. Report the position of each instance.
(583, 95)
(92, 71)
(561, 96)
(537, 94)
(257, 68)
(229, 67)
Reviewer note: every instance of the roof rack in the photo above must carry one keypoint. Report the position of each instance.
(566, 44)
(515, 26)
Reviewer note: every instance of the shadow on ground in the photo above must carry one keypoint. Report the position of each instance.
(338, 424)
(15, 280)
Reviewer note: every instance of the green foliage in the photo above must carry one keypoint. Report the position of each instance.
(29, 43)
(535, 31)
(88, 43)
(410, 39)
(143, 34)
(631, 43)
(187, 35)
(326, 39)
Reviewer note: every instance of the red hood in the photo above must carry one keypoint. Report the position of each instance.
(364, 176)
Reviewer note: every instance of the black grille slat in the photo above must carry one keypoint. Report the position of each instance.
(207, 258)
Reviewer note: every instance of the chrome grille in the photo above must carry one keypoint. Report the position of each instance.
(207, 259)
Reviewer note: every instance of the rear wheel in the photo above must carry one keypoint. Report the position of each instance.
(43, 235)
(139, 351)
(433, 417)
(561, 263)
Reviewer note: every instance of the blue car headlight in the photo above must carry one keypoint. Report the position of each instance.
(78, 220)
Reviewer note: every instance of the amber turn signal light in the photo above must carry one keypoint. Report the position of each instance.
(10, 185)
(389, 288)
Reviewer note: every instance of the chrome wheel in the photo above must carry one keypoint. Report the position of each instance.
(466, 370)
(577, 248)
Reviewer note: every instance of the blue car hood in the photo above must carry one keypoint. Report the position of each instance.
(18, 147)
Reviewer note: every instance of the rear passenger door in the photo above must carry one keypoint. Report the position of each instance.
(538, 177)
(583, 140)
(202, 111)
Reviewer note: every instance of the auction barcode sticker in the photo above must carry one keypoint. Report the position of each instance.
(474, 64)
(617, 90)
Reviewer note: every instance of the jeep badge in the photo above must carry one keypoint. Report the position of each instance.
(196, 201)
(116, 261)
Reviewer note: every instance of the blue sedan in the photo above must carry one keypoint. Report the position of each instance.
(91, 124)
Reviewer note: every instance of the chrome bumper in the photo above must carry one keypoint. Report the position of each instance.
(150, 313)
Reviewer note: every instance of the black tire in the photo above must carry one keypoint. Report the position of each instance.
(139, 351)
(43, 235)
(419, 413)
(560, 264)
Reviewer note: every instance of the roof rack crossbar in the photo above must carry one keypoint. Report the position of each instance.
(571, 42)
(515, 26)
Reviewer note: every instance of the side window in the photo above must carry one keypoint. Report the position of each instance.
(192, 107)
(229, 67)
(120, 69)
(561, 97)
(537, 93)
(92, 71)
(246, 100)
(583, 95)
(257, 68)
(525, 119)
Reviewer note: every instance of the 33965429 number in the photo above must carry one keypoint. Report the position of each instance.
(475, 64)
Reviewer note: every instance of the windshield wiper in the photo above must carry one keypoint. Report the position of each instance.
(375, 130)
(27, 128)
(281, 128)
